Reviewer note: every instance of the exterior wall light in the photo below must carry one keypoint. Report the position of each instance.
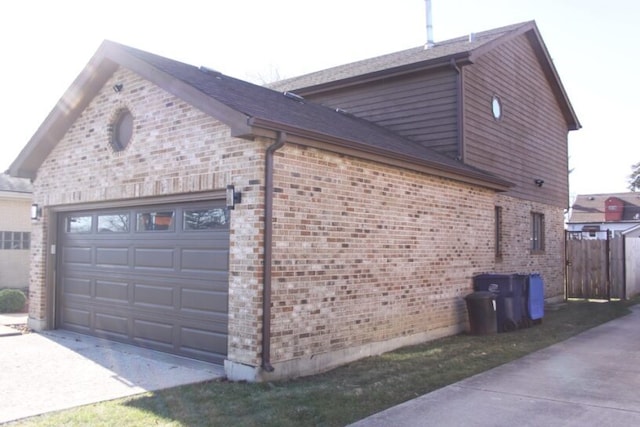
(36, 211)
(233, 197)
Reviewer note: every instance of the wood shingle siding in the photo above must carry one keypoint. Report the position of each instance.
(529, 141)
(421, 108)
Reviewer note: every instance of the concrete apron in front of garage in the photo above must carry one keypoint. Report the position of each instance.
(54, 370)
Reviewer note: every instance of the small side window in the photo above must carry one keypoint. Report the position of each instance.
(537, 232)
(498, 231)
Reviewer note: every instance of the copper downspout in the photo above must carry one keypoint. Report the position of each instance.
(268, 245)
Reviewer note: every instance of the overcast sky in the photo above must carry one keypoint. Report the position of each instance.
(45, 44)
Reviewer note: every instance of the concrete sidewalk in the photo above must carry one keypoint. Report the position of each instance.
(591, 379)
(54, 370)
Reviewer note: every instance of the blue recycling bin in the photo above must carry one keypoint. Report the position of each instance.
(510, 303)
(535, 298)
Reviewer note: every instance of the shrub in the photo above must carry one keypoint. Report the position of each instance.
(11, 300)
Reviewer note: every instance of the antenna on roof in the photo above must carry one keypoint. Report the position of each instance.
(430, 42)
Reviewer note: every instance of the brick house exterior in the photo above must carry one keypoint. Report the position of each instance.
(350, 238)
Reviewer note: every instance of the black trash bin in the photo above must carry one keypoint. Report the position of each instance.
(509, 292)
(481, 308)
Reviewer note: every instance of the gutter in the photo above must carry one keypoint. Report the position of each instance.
(268, 250)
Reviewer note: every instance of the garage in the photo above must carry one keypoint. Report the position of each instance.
(153, 276)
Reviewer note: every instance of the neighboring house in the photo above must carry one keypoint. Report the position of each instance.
(594, 214)
(15, 231)
(194, 213)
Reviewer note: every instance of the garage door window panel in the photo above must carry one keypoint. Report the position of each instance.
(205, 219)
(156, 221)
(113, 223)
(79, 224)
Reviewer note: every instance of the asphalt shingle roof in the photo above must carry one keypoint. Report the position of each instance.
(415, 55)
(15, 185)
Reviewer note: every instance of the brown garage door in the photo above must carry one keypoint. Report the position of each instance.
(154, 276)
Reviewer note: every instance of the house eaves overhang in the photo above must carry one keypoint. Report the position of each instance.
(15, 195)
(633, 231)
(309, 138)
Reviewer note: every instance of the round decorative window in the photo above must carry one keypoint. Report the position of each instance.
(496, 107)
(122, 130)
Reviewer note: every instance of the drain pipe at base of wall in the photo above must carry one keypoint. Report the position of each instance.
(268, 246)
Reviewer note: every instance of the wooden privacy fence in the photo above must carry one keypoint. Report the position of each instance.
(632, 265)
(595, 267)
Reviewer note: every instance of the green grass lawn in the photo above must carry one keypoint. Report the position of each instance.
(343, 395)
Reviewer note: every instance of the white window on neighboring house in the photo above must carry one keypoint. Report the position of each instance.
(592, 230)
(15, 240)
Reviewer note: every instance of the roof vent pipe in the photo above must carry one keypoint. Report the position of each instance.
(430, 43)
(472, 37)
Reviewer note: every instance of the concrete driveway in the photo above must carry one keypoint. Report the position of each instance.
(54, 370)
(592, 379)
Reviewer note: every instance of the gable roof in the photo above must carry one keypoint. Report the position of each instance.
(14, 185)
(248, 109)
(590, 208)
(462, 50)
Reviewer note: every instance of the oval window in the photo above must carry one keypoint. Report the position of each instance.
(122, 130)
(496, 107)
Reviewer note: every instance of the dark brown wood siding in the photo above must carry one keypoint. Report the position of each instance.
(529, 142)
(422, 108)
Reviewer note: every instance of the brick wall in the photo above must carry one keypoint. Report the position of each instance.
(366, 253)
(367, 256)
(516, 247)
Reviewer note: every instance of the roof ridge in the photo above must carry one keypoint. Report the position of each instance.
(409, 56)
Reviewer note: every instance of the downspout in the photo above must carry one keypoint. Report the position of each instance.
(460, 109)
(268, 253)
